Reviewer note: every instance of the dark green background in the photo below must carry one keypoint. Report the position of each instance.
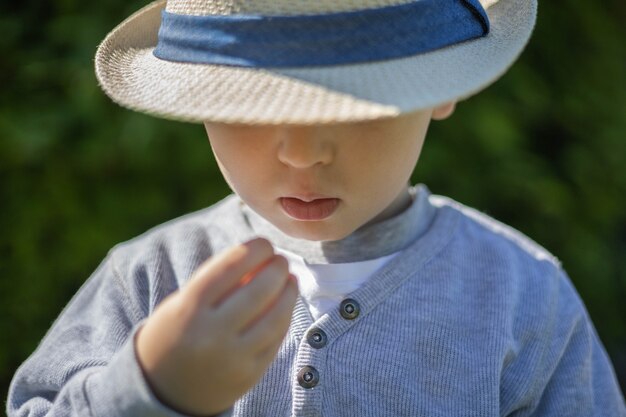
(543, 150)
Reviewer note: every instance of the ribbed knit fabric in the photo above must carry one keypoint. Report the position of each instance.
(472, 319)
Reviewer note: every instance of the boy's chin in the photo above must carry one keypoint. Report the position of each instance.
(314, 231)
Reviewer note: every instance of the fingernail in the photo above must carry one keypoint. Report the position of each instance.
(294, 279)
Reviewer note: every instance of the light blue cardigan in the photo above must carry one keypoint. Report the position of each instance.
(471, 319)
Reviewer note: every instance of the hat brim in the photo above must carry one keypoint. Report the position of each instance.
(133, 77)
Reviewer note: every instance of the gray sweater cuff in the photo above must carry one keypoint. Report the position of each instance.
(123, 391)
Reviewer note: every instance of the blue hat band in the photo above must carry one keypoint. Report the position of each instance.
(325, 39)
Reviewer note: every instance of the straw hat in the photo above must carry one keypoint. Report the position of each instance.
(302, 61)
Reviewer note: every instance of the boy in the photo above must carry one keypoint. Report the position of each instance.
(408, 303)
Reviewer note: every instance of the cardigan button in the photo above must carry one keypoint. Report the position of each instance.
(317, 338)
(308, 377)
(349, 309)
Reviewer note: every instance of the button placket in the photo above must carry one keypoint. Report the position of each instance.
(308, 376)
(310, 363)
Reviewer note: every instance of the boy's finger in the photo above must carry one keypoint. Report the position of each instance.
(265, 357)
(221, 273)
(270, 329)
(252, 299)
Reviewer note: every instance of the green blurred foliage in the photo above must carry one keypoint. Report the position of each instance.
(542, 150)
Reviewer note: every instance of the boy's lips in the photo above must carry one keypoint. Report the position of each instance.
(311, 209)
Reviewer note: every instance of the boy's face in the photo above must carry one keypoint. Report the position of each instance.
(356, 173)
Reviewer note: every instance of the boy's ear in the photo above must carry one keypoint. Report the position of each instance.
(444, 111)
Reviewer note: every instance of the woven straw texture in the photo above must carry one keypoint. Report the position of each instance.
(133, 77)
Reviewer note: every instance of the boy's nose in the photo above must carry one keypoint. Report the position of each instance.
(303, 148)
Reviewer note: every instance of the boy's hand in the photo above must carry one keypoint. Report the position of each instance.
(207, 344)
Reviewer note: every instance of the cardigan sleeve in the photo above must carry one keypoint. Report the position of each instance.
(583, 382)
(86, 365)
(575, 376)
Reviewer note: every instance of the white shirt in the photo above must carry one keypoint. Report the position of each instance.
(324, 286)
